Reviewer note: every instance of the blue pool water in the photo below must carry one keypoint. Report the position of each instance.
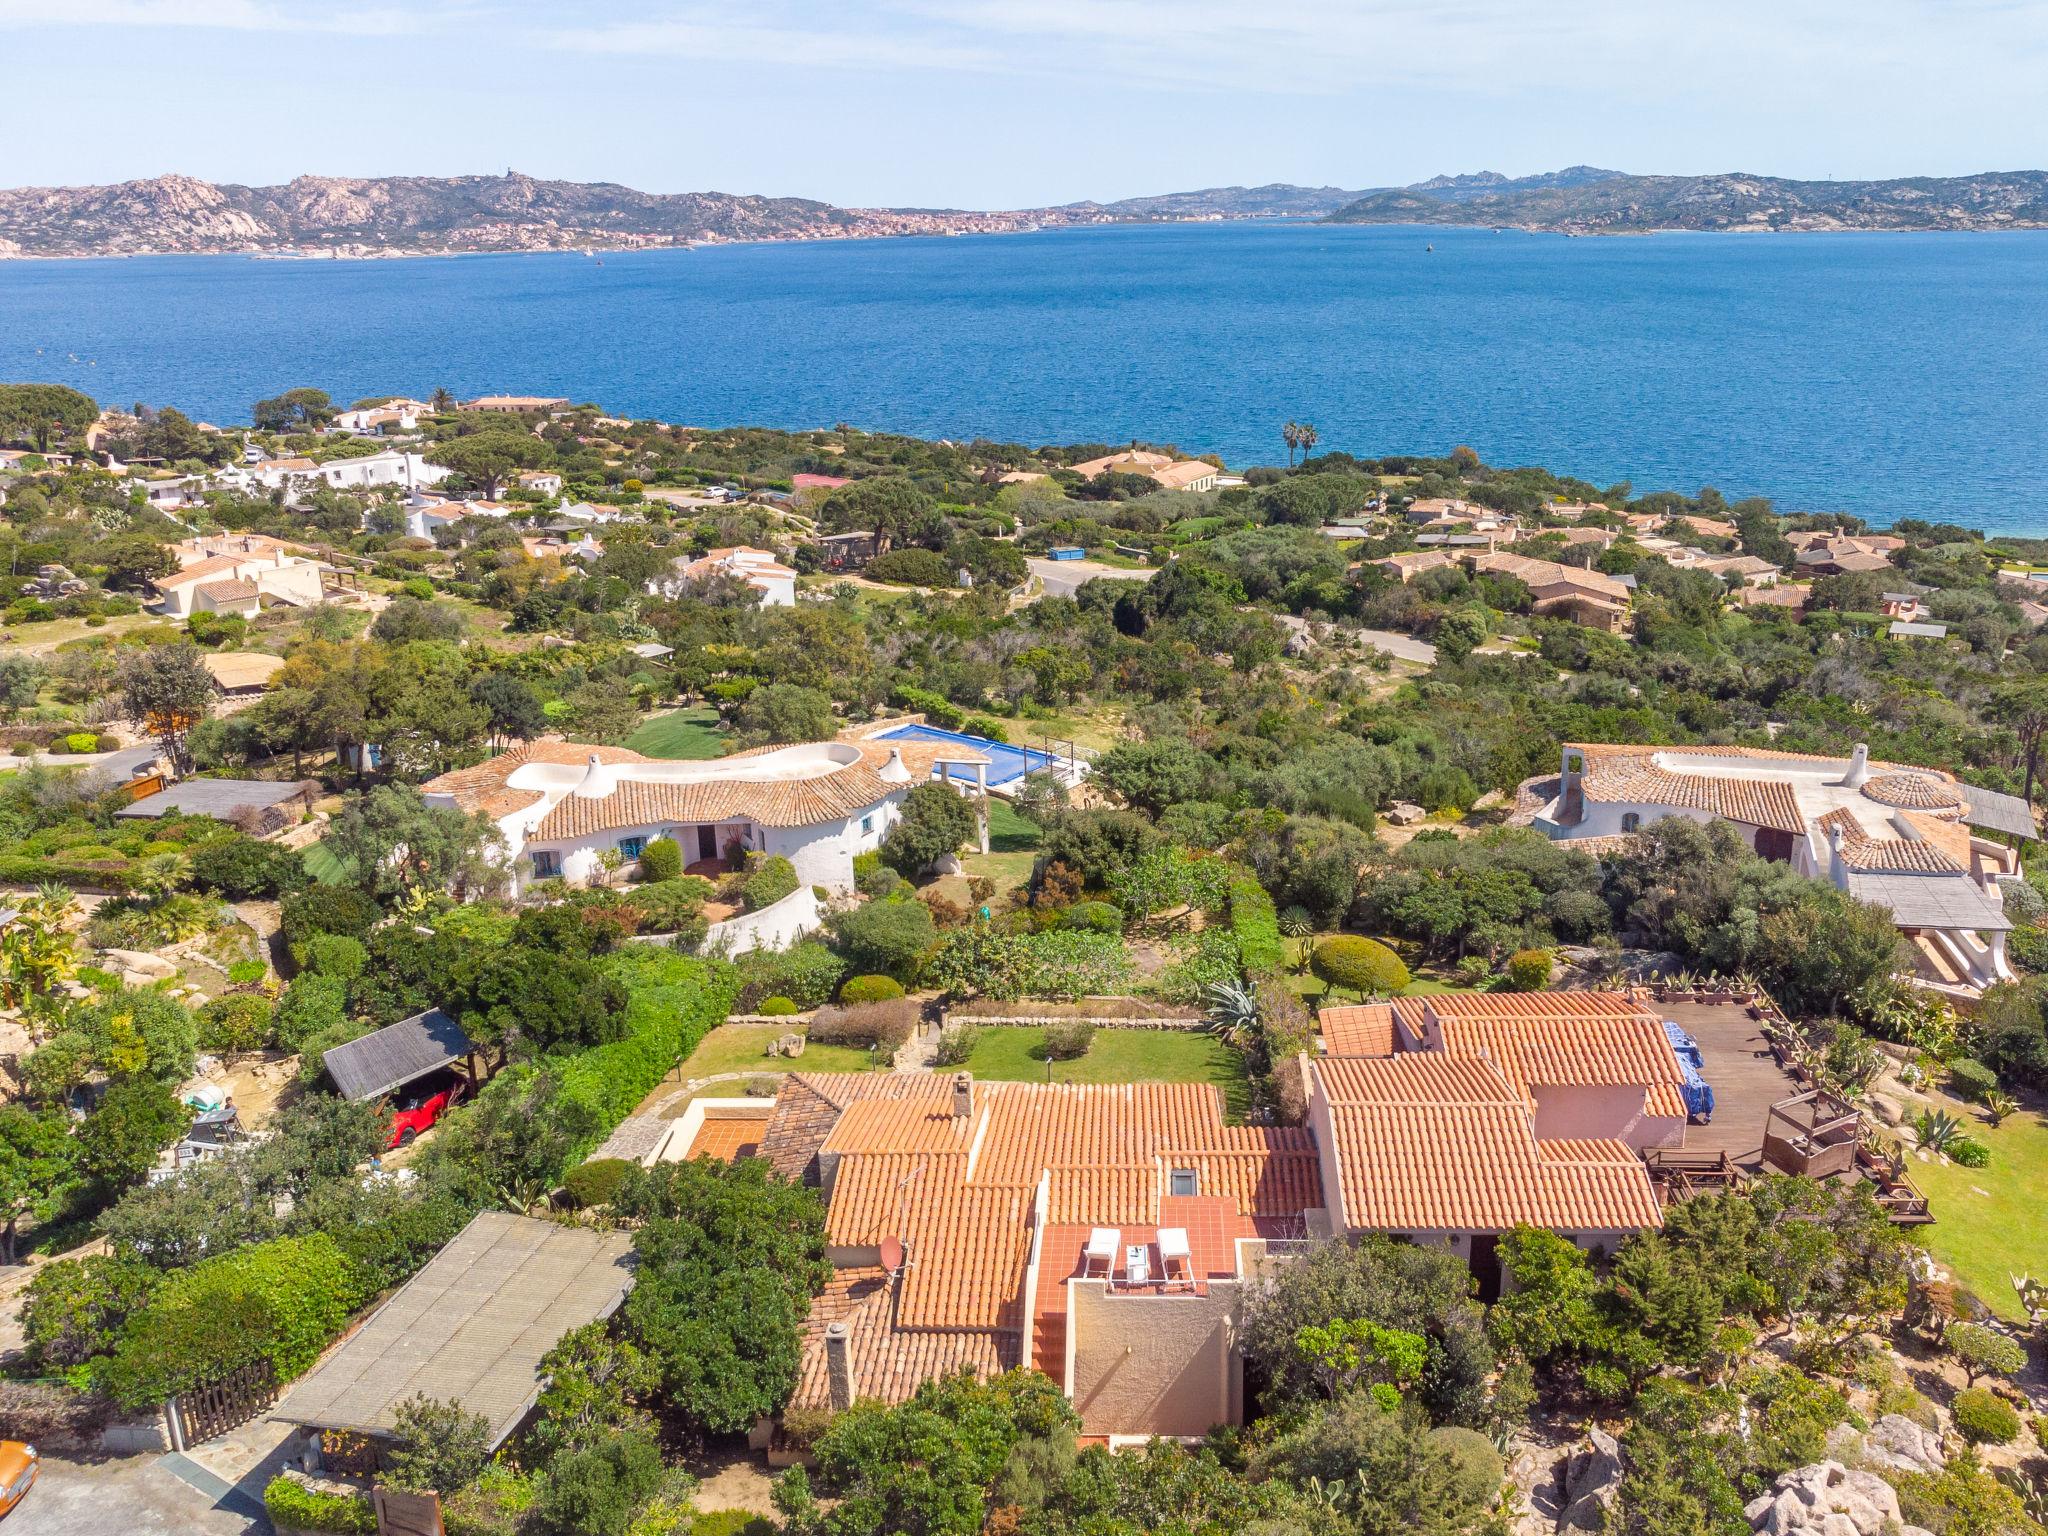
(1885, 374)
(1005, 761)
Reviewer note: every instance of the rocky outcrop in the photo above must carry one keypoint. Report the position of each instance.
(1831, 1500)
(1895, 1441)
(1592, 1479)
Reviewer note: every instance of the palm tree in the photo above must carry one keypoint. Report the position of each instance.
(1307, 433)
(1290, 433)
(441, 401)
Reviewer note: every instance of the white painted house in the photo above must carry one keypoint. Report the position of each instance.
(378, 420)
(774, 582)
(376, 471)
(238, 573)
(1894, 835)
(562, 805)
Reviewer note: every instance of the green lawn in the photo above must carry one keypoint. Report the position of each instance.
(1991, 1222)
(744, 1048)
(690, 734)
(322, 865)
(1017, 1054)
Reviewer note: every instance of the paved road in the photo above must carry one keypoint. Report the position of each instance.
(1406, 647)
(124, 1496)
(1063, 578)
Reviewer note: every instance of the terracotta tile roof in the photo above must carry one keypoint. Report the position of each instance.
(1428, 1142)
(482, 787)
(776, 802)
(199, 570)
(772, 802)
(230, 591)
(961, 1191)
(1913, 791)
(888, 1364)
(1632, 774)
(809, 1103)
(1546, 573)
(1545, 1039)
(1359, 1029)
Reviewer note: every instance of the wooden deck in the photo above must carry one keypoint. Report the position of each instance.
(1746, 1079)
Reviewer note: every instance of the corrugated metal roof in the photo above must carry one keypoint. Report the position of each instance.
(383, 1059)
(470, 1328)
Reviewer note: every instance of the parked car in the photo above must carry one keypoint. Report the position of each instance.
(18, 1464)
(416, 1106)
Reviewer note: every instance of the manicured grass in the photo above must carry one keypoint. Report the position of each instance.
(1991, 1222)
(688, 734)
(1009, 832)
(1017, 1054)
(744, 1048)
(322, 865)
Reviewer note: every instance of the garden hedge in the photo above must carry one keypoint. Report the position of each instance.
(294, 1506)
(281, 1301)
(1254, 922)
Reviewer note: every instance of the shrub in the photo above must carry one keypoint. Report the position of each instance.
(1964, 1499)
(936, 708)
(1528, 970)
(886, 938)
(1971, 1079)
(1479, 1469)
(883, 1025)
(1984, 1418)
(1968, 1152)
(292, 1505)
(81, 741)
(233, 1024)
(661, 859)
(773, 879)
(911, 568)
(336, 955)
(312, 1005)
(244, 868)
(1985, 1351)
(1068, 1040)
(1359, 965)
(956, 1045)
(327, 909)
(247, 973)
(870, 989)
(934, 822)
(74, 1309)
(594, 1183)
(281, 1301)
(594, 1492)
(1093, 917)
(43, 1412)
(777, 1007)
(806, 973)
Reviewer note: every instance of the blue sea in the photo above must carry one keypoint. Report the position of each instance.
(1889, 375)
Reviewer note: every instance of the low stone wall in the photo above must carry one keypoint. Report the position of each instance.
(1040, 1020)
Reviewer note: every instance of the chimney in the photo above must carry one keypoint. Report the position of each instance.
(963, 1095)
(839, 1366)
(1838, 874)
(893, 771)
(1859, 767)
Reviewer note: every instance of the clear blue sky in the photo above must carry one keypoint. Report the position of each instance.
(1010, 103)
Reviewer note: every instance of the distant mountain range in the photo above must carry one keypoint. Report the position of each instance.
(1586, 201)
(405, 215)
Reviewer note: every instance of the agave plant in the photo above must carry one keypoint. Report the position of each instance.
(1937, 1129)
(1233, 1012)
(1296, 922)
(1998, 1104)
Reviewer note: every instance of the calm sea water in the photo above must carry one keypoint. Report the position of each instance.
(1889, 375)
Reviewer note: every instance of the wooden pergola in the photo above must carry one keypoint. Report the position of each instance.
(1813, 1134)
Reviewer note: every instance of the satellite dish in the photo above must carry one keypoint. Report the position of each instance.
(892, 1253)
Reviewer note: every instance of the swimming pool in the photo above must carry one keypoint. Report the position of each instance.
(1006, 763)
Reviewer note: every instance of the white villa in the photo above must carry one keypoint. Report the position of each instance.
(392, 467)
(1897, 836)
(563, 805)
(238, 573)
(773, 582)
